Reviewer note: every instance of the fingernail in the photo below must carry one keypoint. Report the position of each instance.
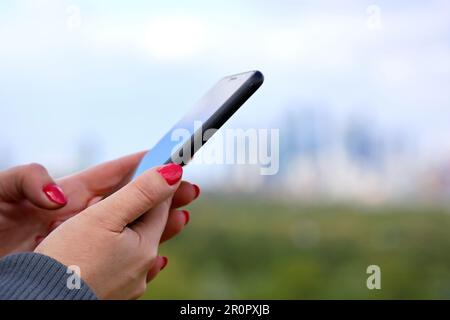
(187, 216)
(165, 261)
(55, 194)
(172, 172)
(196, 190)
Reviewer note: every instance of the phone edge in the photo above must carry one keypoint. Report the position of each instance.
(226, 111)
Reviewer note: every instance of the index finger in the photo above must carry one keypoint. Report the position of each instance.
(108, 177)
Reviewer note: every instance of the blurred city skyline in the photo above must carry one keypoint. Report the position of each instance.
(357, 89)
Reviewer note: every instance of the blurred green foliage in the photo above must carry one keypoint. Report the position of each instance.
(236, 248)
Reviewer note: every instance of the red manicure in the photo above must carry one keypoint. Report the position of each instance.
(55, 194)
(165, 261)
(172, 172)
(186, 216)
(196, 190)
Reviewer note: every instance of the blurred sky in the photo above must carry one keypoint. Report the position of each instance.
(110, 77)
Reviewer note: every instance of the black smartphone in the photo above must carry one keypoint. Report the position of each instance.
(181, 142)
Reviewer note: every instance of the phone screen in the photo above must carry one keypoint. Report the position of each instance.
(204, 109)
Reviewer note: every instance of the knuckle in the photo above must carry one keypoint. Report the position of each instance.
(152, 254)
(35, 168)
(146, 192)
(143, 288)
(148, 254)
(108, 222)
(140, 290)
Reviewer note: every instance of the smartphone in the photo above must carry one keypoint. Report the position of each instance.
(210, 113)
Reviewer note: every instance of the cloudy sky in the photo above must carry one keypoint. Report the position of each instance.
(113, 76)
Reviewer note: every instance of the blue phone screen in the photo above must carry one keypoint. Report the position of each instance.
(182, 131)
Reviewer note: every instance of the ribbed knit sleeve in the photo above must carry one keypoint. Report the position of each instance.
(33, 276)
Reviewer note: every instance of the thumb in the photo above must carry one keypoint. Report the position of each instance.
(31, 182)
(138, 197)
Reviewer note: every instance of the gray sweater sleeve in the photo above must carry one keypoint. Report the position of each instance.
(33, 276)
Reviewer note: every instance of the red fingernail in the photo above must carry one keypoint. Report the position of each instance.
(55, 194)
(172, 172)
(196, 190)
(186, 216)
(165, 261)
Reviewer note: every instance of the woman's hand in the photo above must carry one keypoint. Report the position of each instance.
(114, 243)
(32, 204)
